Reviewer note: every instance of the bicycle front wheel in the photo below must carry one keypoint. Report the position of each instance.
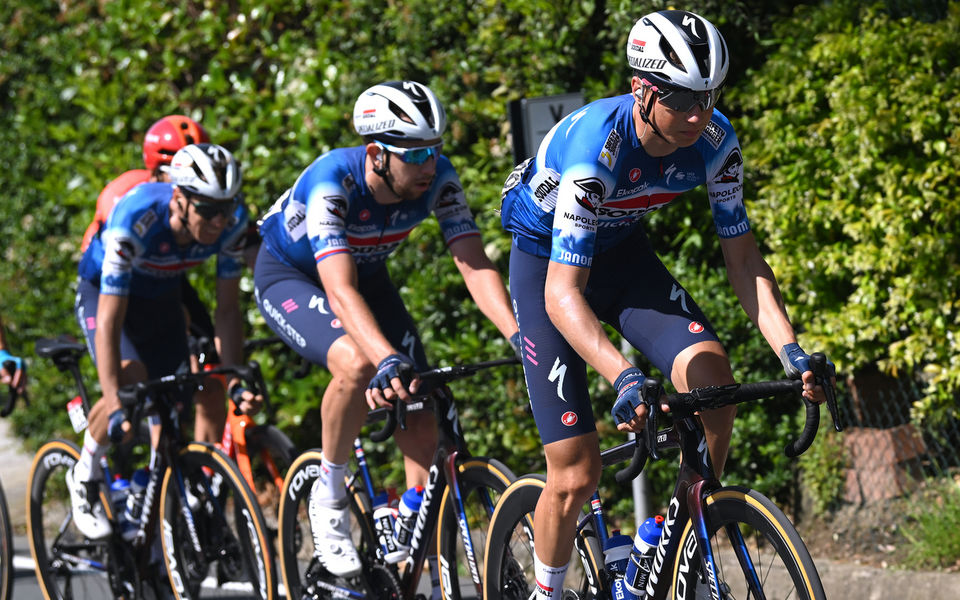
(303, 575)
(757, 552)
(68, 565)
(214, 539)
(481, 482)
(508, 570)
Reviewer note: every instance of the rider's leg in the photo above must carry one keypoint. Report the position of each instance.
(573, 471)
(418, 444)
(700, 365)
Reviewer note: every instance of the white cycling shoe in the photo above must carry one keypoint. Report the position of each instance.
(331, 537)
(87, 516)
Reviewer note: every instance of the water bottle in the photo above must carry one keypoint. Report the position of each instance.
(407, 517)
(119, 492)
(616, 552)
(138, 483)
(641, 556)
(384, 520)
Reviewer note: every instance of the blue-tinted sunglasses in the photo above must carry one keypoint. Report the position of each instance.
(413, 156)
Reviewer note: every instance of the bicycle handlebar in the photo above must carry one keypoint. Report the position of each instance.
(131, 395)
(397, 414)
(685, 404)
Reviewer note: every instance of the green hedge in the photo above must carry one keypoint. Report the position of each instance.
(275, 82)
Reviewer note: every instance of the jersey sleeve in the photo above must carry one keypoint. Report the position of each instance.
(725, 180)
(451, 209)
(230, 255)
(124, 239)
(587, 178)
(326, 217)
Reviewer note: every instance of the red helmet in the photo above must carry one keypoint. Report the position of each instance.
(168, 135)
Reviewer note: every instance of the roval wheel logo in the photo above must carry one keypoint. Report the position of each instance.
(695, 327)
(569, 418)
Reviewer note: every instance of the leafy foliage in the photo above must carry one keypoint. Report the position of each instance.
(275, 82)
(854, 141)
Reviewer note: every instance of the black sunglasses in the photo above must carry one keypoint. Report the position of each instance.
(686, 100)
(209, 209)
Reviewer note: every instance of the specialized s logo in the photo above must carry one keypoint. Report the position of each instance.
(593, 192)
(556, 374)
(731, 169)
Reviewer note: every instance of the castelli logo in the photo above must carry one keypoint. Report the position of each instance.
(695, 327)
(364, 214)
(634, 175)
(569, 418)
(336, 324)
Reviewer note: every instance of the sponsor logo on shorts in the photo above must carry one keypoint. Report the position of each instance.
(695, 327)
(290, 305)
(569, 418)
(336, 324)
(634, 174)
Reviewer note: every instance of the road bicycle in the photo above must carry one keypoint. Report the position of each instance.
(261, 451)
(720, 542)
(458, 499)
(212, 538)
(6, 530)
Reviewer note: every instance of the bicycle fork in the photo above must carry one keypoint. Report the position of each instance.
(453, 485)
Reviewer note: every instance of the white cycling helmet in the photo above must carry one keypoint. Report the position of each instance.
(678, 49)
(397, 111)
(206, 169)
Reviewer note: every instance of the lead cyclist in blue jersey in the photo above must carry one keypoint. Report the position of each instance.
(322, 283)
(580, 257)
(129, 304)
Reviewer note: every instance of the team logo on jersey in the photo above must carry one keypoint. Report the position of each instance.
(294, 217)
(449, 199)
(337, 206)
(611, 149)
(695, 327)
(144, 222)
(634, 175)
(714, 134)
(593, 192)
(732, 166)
(569, 418)
(348, 183)
(365, 214)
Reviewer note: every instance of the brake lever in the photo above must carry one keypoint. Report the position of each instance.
(651, 391)
(822, 375)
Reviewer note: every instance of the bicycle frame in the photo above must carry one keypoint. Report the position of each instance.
(234, 444)
(441, 475)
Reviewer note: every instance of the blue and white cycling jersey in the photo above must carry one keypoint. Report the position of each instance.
(591, 181)
(330, 210)
(137, 254)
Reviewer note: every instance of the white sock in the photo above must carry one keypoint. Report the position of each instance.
(330, 486)
(88, 467)
(549, 579)
(437, 593)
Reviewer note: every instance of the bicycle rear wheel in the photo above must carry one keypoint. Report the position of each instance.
(481, 481)
(230, 553)
(6, 549)
(509, 551)
(774, 562)
(303, 575)
(67, 564)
